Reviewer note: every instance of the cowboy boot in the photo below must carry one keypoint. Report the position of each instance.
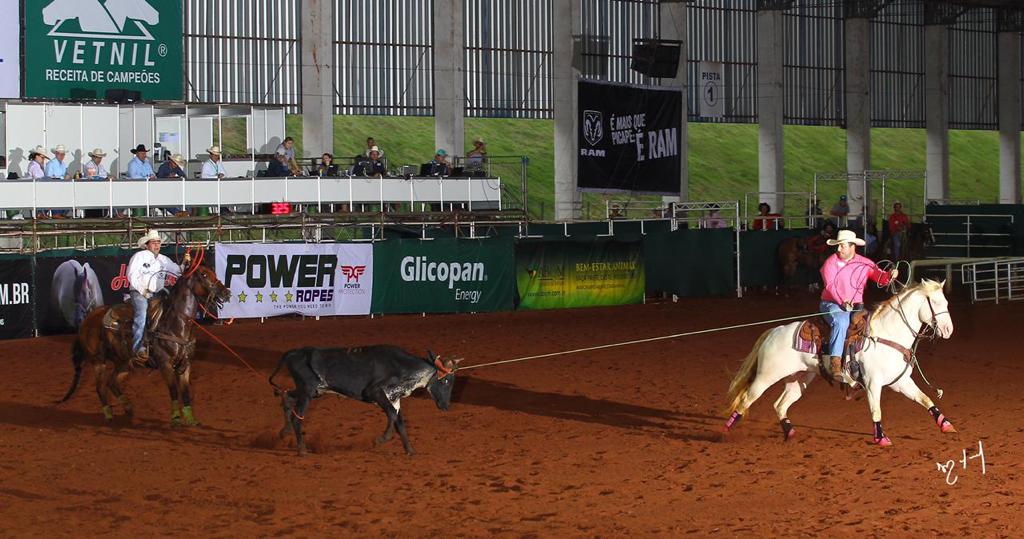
(836, 368)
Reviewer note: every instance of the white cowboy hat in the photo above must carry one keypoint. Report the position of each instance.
(60, 149)
(39, 150)
(213, 150)
(846, 236)
(150, 236)
(97, 152)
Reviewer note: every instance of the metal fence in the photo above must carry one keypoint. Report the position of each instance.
(998, 280)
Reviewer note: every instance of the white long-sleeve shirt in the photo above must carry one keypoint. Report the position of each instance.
(212, 169)
(146, 271)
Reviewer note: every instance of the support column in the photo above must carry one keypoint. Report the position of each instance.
(673, 27)
(770, 102)
(858, 112)
(317, 77)
(936, 104)
(449, 77)
(1009, 117)
(565, 17)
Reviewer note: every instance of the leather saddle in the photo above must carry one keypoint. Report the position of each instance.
(119, 317)
(814, 333)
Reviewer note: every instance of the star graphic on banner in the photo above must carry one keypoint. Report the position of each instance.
(288, 296)
(273, 297)
(259, 297)
(241, 297)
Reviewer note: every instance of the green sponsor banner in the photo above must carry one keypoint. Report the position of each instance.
(78, 49)
(443, 275)
(561, 274)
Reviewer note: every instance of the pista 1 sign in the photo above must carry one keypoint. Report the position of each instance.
(79, 49)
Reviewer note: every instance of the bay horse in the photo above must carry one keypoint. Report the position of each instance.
(105, 339)
(886, 359)
(916, 241)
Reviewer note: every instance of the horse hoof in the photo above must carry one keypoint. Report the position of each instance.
(884, 442)
(947, 428)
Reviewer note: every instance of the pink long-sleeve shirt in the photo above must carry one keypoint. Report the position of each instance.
(845, 280)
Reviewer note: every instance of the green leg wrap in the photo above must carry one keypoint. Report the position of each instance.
(175, 413)
(108, 412)
(189, 419)
(125, 403)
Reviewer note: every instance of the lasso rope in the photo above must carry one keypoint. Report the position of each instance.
(640, 341)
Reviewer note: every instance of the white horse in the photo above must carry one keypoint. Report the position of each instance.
(886, 359)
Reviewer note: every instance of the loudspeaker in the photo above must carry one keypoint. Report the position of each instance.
(82, 94)
(120, 95)
(590, 55)
(655, 58)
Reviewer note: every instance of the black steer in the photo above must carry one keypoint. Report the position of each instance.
(380, 374)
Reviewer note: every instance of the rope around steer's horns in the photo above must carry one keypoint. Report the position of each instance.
(639, 341)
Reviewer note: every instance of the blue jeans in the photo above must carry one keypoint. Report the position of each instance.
(840, 321)
(897, 245)
(140, 304)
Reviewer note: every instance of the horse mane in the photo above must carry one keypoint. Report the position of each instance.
(925, 285)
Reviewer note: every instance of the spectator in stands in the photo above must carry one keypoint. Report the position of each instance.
(326, 167)
(899, 223)
(94, 168)
(439, 165)
(818, 243)
(766, 220)
(714, 218)
(870, 239)
(172, 167)
(56, 167)
(840, 210)
(288, 147)
(476, 157)
(370, 146)
(36, 159)
(374, 167)
(279, 166)
(140, 168)
(213, 168)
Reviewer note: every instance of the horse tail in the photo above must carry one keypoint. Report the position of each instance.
(78, 359)
(745, 377)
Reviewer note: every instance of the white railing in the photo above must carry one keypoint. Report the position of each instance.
(22, 194)
(995, 280)
(949, 238)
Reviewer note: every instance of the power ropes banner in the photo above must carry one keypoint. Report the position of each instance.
(272, 279)
(78, 49)
(629, 138)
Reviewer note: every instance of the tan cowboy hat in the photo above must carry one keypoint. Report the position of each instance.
(178, 158)
(38, 150)
(150, 236)
(60, 149)
(846, 236)
(478, 139)
(97, 152)
(213, 150)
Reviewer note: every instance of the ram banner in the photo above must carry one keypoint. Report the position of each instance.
(78, 49)
(271, 279)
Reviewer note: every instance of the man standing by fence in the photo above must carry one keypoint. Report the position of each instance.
(899, 223)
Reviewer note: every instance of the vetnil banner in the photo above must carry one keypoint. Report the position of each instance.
(629, 138)
(10, 50)
(444, 275)
(562, 274)
(79, 49)
(271, 279)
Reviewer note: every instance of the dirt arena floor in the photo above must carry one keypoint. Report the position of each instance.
(606, 443)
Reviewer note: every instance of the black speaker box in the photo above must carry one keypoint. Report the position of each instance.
(118, 95)
(654, 59)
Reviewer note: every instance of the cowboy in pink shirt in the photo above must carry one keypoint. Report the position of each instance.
(845, 274)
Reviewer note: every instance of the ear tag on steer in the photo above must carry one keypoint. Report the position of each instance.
(442, 371)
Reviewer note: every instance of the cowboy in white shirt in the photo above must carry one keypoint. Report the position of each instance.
(213, 168)
(146, 272)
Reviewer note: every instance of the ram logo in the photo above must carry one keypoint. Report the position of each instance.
(593, 126)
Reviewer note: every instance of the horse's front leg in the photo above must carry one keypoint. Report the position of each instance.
(186, 395)
(171, 379)
(874, 392)
(909, 388)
